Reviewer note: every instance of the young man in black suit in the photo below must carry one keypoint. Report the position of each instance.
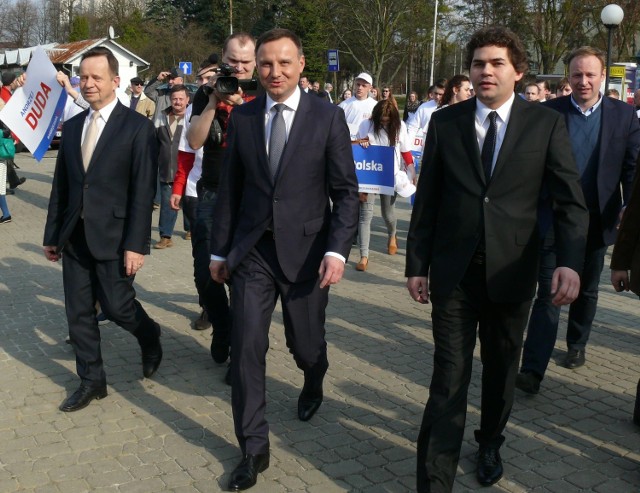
(100, 219)
(278, 236)
(472, 248)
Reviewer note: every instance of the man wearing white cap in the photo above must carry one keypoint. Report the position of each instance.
(359, 106)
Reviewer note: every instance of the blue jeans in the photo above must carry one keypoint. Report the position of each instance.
(4, 207)
(545, 316)
(213, 296)
(168, 216)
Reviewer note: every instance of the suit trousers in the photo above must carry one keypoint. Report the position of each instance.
(257, 283)
(455, 320)
(545, 316)
(86, 280)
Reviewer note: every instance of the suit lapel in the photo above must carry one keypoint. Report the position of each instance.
(607, 124)
(467, 125)
(258, 133)
(514, 129)
(109, 131)
(73, 132)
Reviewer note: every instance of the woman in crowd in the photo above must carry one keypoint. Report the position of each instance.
(385, 128)
(458, 89)
(412, 105)
(374, 93)
(346, 94)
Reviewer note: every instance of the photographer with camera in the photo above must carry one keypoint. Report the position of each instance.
(230, 86)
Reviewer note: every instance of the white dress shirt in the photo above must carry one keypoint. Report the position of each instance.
(482, 125)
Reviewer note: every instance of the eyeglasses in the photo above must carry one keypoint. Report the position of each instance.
(136, 83)
(385, 90)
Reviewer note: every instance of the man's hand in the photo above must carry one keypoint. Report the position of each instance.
(331, 271)
(219, 271)
(418, 289)
(133, 262)
(231, 99)
(620, 280)
(50, 253)
(164, 74)
(63, 80)
(19, 82)
(565, 286)
(174, 201)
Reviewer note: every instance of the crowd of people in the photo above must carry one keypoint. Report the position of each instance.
(506, 185)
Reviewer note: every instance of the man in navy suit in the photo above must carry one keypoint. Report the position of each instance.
(605, 138)
(287, 211)
(100, 219)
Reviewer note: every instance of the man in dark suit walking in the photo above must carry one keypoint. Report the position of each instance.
(100, 219)
(472, 248)
(278, 235)
(605, 138)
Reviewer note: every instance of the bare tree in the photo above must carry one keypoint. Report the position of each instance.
(21, 30)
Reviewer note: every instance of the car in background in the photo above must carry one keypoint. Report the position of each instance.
(55, 142)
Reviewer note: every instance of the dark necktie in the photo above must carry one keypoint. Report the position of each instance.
(489, 146)
(277, 139)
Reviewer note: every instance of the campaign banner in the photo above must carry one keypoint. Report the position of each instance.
(417, 146)
(35, 109)
(374, 169)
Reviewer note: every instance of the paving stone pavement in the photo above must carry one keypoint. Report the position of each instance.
(175, 432)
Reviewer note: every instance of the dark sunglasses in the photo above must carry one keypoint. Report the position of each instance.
(136, 83)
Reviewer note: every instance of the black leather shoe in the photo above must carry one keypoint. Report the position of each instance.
(220, 347)
(528, 382)
(575, 358)
(489, 468)
(308, 404)
(245, 475)
(82, 397)
(151, 355)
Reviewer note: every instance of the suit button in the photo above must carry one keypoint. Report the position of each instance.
(275, 199)
(86, 185)
(486, 200)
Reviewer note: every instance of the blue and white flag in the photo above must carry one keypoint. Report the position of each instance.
(374, 169)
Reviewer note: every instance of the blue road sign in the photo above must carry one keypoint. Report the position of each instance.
(334, 63)
(185, 67)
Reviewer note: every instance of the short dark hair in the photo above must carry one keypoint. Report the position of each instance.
(504, 38)
(545, 84)
(178, 88)
(114, 66)
(587, 51)
(279, 33)
(242, 37)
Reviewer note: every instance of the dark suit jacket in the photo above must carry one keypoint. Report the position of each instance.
(619, 145)
(454, 205)
(116, 193)
(626, 252)
(317, 165)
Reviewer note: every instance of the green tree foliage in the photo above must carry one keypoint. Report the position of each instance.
(79, 28)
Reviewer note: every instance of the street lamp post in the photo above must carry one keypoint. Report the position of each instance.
(611, 16)
(433, 44)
